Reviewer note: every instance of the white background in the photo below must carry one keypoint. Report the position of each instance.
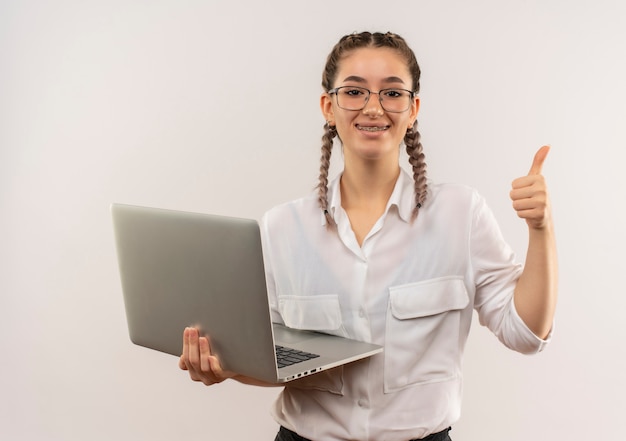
(213, 106)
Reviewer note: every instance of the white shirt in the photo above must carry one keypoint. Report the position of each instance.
(410, 287)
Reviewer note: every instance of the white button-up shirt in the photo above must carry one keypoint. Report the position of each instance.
(410, 287)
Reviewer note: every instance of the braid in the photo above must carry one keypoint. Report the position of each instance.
(414, 149)
(322, 187)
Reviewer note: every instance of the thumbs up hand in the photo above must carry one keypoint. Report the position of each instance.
(530, 194)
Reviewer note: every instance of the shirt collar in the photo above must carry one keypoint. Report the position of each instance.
(401, 197)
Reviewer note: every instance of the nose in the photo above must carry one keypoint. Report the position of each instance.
(373, 107)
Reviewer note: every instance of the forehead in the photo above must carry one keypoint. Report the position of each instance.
(373, 64)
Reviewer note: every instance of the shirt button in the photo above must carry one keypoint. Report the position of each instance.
(363, 403)
(361, 313)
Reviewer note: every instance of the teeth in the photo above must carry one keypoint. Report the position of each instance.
(373, 129)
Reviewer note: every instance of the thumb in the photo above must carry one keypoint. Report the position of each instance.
(540, 157)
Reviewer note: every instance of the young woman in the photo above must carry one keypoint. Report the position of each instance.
(380, 256)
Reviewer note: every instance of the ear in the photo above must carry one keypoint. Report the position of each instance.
(326, 106)
(414, 110)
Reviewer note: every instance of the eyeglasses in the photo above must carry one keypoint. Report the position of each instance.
(356, 98)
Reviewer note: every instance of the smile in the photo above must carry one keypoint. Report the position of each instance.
(372, 128)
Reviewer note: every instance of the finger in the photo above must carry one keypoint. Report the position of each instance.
(205, 353)
(522, 192)
(527, 186)
(185, 356)
(213, 364)
(218, 372)
(193, 350)
(181, 363)
(216, 369)
(533, 215)
(525, 181)
(528, 204)
(538, 160)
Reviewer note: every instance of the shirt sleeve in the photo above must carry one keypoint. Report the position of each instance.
(495, 274)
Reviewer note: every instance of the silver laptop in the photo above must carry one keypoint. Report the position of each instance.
(182, 269)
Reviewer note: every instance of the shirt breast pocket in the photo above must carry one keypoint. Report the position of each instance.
(422, 340)
(320, 313)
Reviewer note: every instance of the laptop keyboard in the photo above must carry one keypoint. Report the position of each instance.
(288, 356)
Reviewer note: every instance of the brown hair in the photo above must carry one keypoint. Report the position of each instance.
(412, 139)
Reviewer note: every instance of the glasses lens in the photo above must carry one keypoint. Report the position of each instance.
(395, 100)
(352, 98)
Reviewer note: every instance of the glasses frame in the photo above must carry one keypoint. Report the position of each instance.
(335, 91)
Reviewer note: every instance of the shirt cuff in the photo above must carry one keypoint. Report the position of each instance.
(527, 341)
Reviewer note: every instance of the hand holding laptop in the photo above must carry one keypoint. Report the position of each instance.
(203, 366)
(199, 361)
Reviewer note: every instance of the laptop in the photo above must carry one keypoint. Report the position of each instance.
(181, 269)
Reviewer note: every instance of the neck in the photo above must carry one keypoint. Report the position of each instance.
(366, 184)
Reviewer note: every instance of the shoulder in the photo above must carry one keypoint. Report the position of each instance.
(301, 208)
(447, 193)
(453, 204)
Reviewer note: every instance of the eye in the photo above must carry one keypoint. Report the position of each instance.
(395, 93)
(352, 91)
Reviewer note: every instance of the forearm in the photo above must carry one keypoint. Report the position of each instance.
(536, 290)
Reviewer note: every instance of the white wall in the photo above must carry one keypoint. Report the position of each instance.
(213, 106)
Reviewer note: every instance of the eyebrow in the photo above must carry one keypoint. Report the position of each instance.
(358, 79)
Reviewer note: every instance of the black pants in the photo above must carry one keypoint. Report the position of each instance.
(288, 435)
